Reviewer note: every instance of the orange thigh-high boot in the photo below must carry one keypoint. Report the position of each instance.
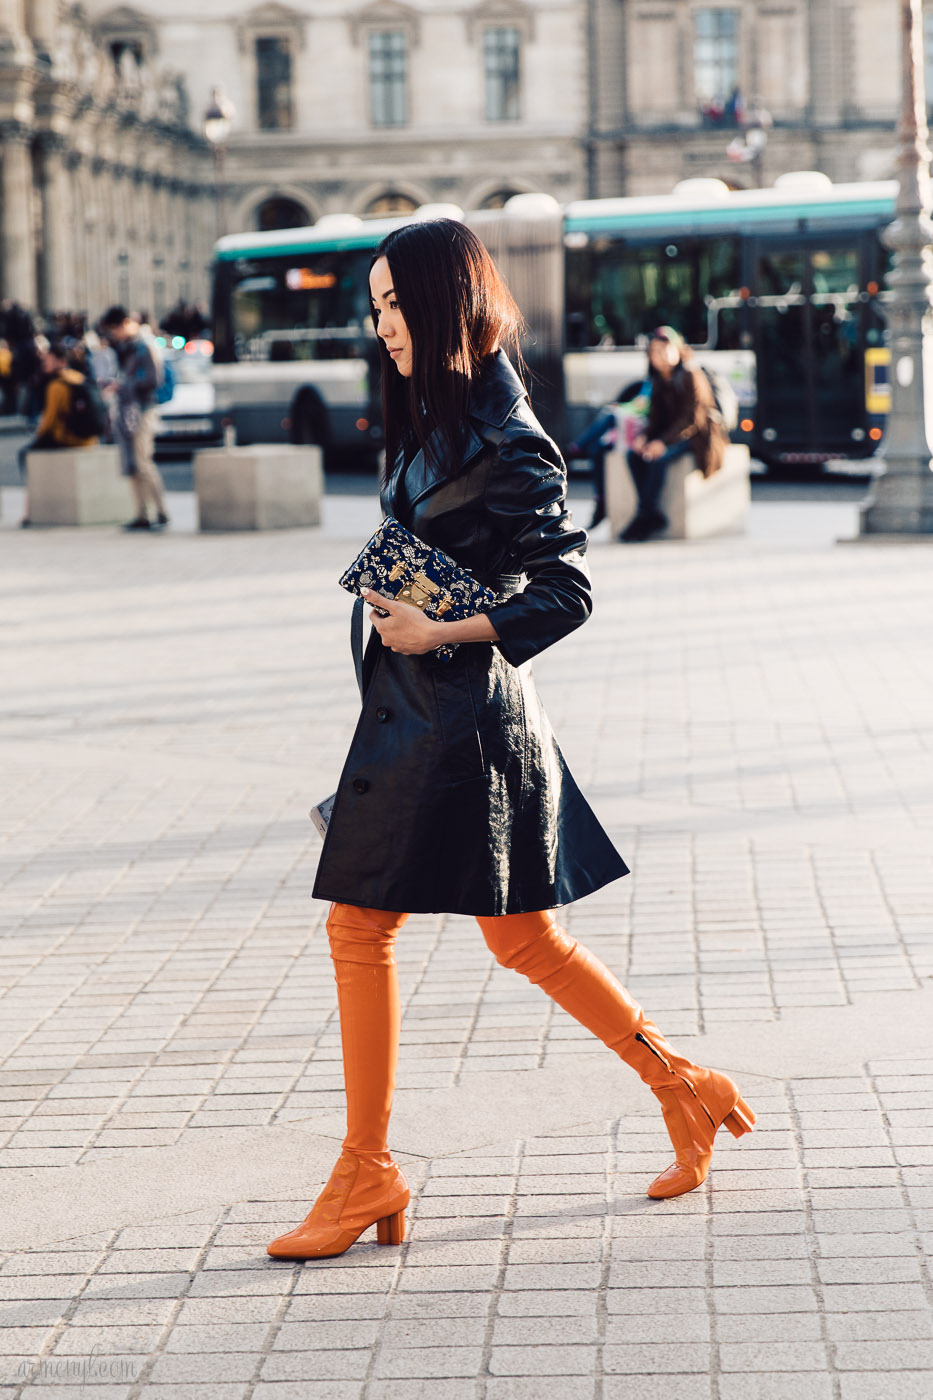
(366, 1187)
(694, 1101)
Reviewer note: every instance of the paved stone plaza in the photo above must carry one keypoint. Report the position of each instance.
(753, 721)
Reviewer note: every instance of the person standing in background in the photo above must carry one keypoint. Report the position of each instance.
(136, 415)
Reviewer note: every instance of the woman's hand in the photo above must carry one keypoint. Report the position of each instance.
(406, 629)
(652, 450)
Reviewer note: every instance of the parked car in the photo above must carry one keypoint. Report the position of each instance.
(189, 419)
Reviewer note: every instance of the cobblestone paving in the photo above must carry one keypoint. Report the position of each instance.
(752, 719)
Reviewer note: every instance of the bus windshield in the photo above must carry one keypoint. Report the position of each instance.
(298, 306)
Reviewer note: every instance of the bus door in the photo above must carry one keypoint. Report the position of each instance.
(807, 325)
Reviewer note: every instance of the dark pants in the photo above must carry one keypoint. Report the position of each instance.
(591, 445)
(649, 477)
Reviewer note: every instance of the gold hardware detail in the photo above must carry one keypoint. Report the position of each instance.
(418, 590)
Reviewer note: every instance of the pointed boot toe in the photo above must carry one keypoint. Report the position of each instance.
(679, 1179)
(312, 1241)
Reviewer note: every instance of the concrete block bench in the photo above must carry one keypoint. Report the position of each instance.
(77, 486)
(269, 486)
(696, 506)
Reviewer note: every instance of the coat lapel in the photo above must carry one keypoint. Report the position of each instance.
(389, 492)
(421, 478)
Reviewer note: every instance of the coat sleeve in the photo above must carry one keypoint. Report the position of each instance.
(526, 501)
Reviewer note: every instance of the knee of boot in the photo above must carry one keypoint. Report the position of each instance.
(533, 944)
(363, 935)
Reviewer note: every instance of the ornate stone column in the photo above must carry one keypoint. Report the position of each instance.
(43, 26)
(102, 237)
(13, 29)
(72, 162)
(57, 281)
(19, 249)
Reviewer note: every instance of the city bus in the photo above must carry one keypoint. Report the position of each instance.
(778, 290)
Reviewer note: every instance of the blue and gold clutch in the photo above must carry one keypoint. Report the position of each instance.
(398, 565)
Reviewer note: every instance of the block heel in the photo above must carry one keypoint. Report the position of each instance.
(391, 1228)
(741, 1120)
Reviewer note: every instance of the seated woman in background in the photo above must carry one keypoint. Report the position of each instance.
(682, 418)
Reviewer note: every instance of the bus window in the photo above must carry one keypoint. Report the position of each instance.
(300, 306)
(618, 292)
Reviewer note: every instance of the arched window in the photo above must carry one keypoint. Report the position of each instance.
(281, 212)
(389, 203)
(497, 198)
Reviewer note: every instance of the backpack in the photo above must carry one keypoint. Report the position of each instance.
(725, 399)
(87, 413)
(166, 385)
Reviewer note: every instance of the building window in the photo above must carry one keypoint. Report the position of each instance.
(389, 203)
(497, 199)
(388, 77)
(278, 211)
(501, 61)
(274, 84)
(716, 58)
(120, 47)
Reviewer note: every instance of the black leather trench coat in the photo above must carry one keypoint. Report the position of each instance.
(455, 796)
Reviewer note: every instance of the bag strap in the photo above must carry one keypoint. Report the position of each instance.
(356, 641)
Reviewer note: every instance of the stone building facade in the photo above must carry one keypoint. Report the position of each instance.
(824, 75)
(365, 106)
(106, 192)
(370, 106)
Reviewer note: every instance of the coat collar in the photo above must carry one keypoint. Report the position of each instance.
(496, 392)
(493, 398)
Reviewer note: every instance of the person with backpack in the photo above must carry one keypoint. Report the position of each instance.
(73, 413)
(136, 415)
(165, 377)
(683, 417)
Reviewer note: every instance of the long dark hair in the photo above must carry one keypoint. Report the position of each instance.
(458, 311)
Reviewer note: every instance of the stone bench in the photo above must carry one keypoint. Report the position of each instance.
(77, 486)
(696, 506)
(269, 486)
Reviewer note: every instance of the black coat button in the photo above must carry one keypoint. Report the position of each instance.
(360, 785)
(382, 714)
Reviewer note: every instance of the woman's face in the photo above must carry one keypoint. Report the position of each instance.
(390, 323)
(662, 355)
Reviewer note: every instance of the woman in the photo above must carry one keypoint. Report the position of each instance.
(682, 418)
(455, 797)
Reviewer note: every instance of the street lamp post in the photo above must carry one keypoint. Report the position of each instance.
(218, 120)
(901, 501)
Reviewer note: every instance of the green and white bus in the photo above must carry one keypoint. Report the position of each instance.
(780, 290)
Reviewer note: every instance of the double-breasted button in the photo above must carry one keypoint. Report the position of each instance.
(360, 785)
(382, 714)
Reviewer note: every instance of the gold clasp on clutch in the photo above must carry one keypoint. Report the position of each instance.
(418, 590)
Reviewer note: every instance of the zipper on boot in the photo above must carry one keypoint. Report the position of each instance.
(657, 1054)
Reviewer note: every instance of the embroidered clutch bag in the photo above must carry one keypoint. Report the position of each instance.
(398, 565)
